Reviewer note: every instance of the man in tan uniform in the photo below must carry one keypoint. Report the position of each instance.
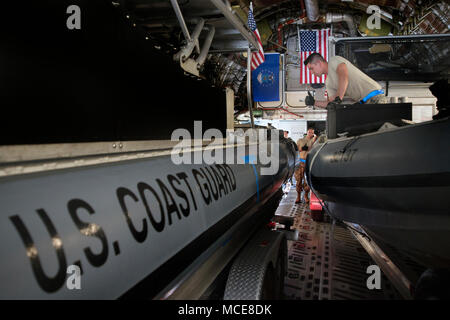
(308, 140)
(344, 80)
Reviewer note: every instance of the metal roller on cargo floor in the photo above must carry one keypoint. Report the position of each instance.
(394, 182)
(144, 224)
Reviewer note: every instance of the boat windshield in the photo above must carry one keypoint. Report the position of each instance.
(399, 58)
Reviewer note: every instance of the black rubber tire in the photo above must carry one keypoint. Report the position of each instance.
(269, 284)
(273, 285)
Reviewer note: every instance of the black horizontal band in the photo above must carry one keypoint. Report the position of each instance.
(441, 179)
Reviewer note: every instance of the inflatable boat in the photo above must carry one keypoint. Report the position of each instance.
(395, 182)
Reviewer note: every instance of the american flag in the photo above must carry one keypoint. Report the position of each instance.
(310, 42)
(257, 57)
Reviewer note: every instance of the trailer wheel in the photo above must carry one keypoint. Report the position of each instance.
(269, 284)
(273, 285)
(281, 270)
(258, 271)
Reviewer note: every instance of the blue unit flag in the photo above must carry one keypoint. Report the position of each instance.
(266, 79)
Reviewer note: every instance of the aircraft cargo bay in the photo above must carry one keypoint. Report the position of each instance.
(225, 150)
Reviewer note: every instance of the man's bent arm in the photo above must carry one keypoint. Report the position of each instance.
(342, 73)
(321, 103)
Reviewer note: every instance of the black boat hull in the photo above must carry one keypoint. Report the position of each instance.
(394, 183)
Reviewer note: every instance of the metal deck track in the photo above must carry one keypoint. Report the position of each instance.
(325, 261)
(401, 270)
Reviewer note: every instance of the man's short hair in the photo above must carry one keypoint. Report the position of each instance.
(313, 58)
(310, 128)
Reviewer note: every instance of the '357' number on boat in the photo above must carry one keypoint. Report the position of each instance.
(344, 156)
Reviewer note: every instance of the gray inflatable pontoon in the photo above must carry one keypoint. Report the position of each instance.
(394, 182)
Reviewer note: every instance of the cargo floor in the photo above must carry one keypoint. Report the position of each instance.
(325, 261)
